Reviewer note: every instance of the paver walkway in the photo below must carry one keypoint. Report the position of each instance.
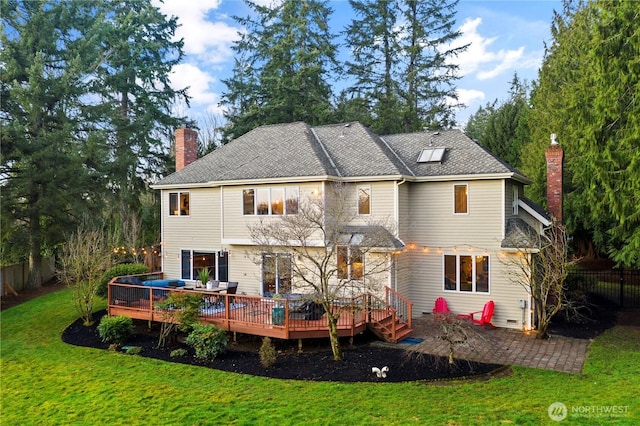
(505, 346)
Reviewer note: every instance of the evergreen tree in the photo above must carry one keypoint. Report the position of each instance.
(477, 123)
(283, 59)
(587, 94)
(135, 102)
(85, 102)
(401, 62)
(429, 94)
(48, 173)
(506, 129)
(349, 108)
(374, 41)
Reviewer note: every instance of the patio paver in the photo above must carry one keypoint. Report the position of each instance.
(506, 346)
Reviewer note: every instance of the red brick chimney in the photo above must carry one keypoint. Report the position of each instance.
(186, 147)
(554, 155)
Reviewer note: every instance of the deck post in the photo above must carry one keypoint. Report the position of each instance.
(299, 346)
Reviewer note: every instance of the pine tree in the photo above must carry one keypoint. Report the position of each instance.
(85, 101)
(136, 98)
(48, 173)
(506, 129)
(373, 38)
(587, 94)
(401, 64)
(430, 97)
(282, 61)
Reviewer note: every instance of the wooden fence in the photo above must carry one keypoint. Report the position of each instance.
(17, 275)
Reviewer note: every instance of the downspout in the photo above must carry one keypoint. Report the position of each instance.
(163, 246)
(397, 207)
(393, 278)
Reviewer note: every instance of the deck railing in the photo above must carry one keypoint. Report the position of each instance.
(257, 315)
(387, 312)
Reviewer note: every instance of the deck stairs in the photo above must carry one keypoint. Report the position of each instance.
(390, 317)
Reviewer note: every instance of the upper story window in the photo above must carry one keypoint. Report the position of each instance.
(364, 200)
(274, 201)
(461, 199)
(178, 204)
(466, 273)
(350, 263)
(515, 200)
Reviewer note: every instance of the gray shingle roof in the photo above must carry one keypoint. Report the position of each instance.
(340, 150)
(357, 151)
(519, 235)
(275, 151)
(463, 156)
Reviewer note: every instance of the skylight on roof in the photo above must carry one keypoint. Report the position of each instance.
(431, 155)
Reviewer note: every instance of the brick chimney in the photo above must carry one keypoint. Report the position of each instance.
(555, 156)
(186, 147)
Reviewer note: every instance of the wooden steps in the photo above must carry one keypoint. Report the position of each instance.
(389, 331)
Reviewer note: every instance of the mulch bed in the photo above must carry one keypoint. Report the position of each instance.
(315, 363)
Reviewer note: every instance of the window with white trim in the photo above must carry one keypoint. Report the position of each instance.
(461, 199)
(276, 201)
(193, 261)
(276, 273)
(364, 200)
(350, 263)
(515, 200)
(466, 273)
(178, 204)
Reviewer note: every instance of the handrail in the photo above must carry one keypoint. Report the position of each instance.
(390, 309)
(402, 305)
(241, 311)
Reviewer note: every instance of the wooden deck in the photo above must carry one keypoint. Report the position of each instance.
(262, 316)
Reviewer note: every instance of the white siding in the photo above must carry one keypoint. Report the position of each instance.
(426, 223)
(438, 231)
(236, 224)
(198, 231)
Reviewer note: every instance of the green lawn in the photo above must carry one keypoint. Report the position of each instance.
(44, 381)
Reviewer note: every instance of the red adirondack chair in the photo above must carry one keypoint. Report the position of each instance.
(485, 315)
(441, 309)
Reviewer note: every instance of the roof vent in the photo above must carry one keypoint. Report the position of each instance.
(431, 155)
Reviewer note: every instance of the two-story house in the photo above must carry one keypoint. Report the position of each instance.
(452, 204)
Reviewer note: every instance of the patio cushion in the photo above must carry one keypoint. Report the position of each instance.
(130, 280)
(163, 283)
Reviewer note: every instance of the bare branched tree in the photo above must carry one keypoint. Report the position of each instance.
(131, 235)
(541, 266)
(82, 261)
(335, 254)
(210, 133)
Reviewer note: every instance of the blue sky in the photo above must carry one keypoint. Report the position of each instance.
(506, 37)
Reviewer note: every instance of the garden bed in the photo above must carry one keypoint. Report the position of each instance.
(315, 363)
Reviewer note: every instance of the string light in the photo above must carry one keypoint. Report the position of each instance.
(456, 249)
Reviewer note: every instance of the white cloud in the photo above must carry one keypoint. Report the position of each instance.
(481, 60)
(470, 97)
(198, 81)
(209, 40)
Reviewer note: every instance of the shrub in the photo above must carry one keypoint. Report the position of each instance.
(178, 352)
(181, 311)
(207, 340)
(116, 271)
(115, 329)
(267, 353)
